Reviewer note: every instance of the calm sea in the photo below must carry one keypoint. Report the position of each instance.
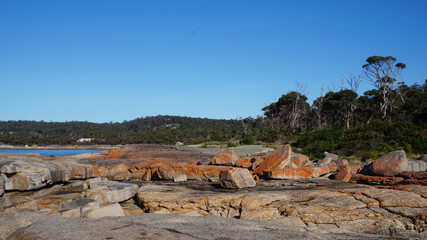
(50, 152)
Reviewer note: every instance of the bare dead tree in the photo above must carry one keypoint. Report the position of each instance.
(353, 81)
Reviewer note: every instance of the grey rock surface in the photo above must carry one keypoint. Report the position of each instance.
(416, 166)
(331, 156)
(2, 185)
(106, 192)
(10, 222)
(159, 226)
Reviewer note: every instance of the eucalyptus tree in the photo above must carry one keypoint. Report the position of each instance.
(383, 72)
(290, 109)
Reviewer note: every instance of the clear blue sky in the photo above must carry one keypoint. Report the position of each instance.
(106, 60)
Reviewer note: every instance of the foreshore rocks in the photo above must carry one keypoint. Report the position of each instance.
(279, 159)
(387, 198)
(390, 164)
(236, 178)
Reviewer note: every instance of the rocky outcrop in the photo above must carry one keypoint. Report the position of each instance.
(2, 185)
(279, 159)
(343, 175)
(236, 178)
(390, 164)
(298, 160)
(159, 226)
(106, 192)
(416, 166)
(312, 202)
(112, 210)
(227, 158)
(23, 175)
(296, 173)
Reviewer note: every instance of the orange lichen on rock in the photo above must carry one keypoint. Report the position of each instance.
(227, 157)
(376, 179)
(298, 160)
(292, 173)
(279, 159)
(343, 176)
(244, 162)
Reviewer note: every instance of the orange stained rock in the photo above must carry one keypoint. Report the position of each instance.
(298, 160)
(324, 170)
(342, 162)
(390, 164)
(353, 169)
(332, 167)
(292, 173)
(343, 176)
(279, 159)
(244, 162)
(256, 161)
(376, 179)
(149, 164)
(227, 157)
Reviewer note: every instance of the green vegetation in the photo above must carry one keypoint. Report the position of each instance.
(389, 117)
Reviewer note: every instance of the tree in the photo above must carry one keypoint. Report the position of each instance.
(290, 109)
(338, 107)
(382, 72)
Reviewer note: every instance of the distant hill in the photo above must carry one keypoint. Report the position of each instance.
(155, 129)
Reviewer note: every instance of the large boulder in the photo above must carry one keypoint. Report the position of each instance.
(390, 164)
(227, 157)
(279, 159)
(236, 178)
(416, 166)
(423, 158)
(29, 175)
(106, 192)
(343, 176)
(298, 160)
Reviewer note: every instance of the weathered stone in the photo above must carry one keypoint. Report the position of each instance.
(298, 160)
(343, 176)
(324, 161)
(180, 178)
(2, 185)
(416, 166)
(423, 158)
(342, 162)
(331, 156)
(256, 161)
(244, 162)
(332, 167)
(64, 206)
(353, 169)
(159, 226)
(261, 214)
(86, 205)
(377, 180)
(112, 210)
(279, 159)
(236, 178)
(227, 157)
(390, 164)
(10, 222)
(295, 173)
(105, 192)
(31, 173)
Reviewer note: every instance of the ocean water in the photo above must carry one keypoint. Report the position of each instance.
(51, 152)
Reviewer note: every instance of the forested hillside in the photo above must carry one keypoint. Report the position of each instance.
(390, 116)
